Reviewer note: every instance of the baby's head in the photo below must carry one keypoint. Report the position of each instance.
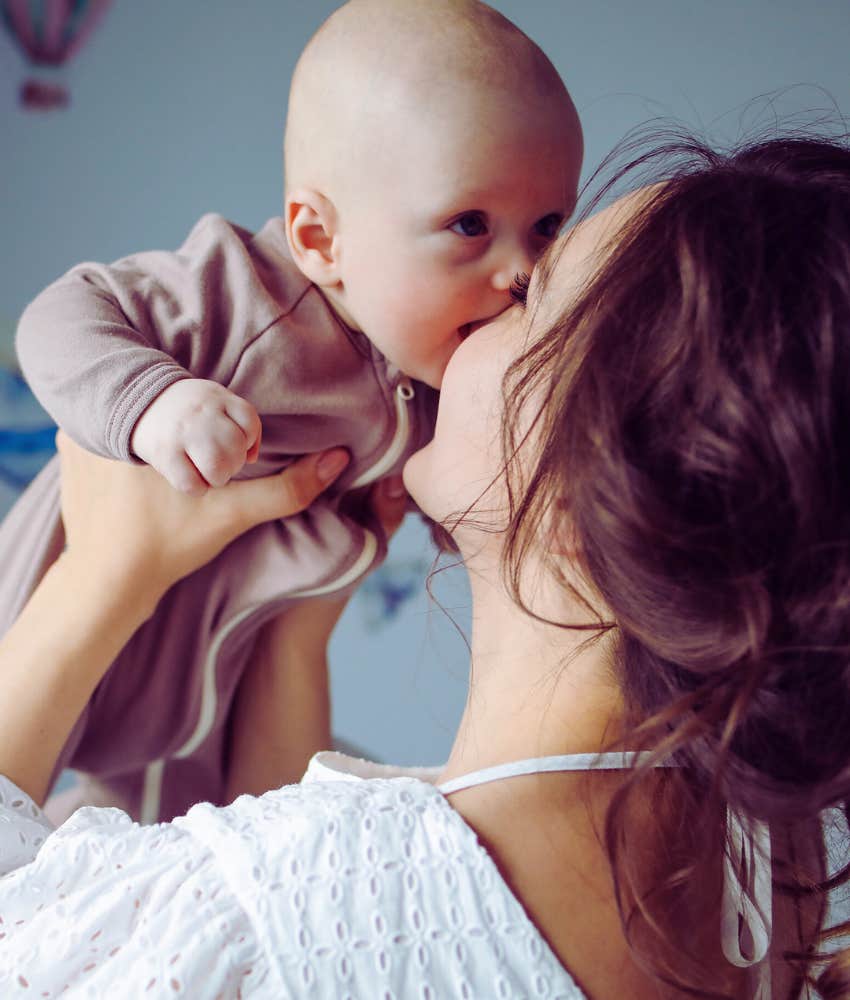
(432, 151)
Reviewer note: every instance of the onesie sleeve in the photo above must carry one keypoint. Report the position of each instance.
(100, 343)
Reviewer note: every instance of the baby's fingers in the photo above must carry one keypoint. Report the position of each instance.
(219, 453)
(182, 474)
(243, 414)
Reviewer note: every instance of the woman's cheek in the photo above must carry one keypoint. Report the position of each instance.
(412, 474)
(464, 457)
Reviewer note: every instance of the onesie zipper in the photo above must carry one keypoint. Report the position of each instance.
(403, 394)
(152, 786)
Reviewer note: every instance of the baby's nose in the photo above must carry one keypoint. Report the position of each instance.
(516, 260)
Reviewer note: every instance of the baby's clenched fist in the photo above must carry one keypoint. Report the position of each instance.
(197, 434)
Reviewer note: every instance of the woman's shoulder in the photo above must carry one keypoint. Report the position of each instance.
(363, 879)
(332, 765)
(108, 906)
(342, 805)
(360, 880)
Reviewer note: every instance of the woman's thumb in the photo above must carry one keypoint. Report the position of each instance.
(290, 491)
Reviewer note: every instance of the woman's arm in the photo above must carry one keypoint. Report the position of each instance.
(130, 536)
(282, 713)
(51, 660)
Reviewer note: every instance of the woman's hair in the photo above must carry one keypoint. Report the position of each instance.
(695, 431)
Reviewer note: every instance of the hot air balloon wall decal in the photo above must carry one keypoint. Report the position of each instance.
(49, 33)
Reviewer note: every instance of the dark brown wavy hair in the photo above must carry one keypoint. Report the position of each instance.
(695, 432)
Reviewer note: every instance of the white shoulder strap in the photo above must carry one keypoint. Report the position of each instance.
(616, 761)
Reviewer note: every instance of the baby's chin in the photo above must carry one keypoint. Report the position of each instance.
(430, 374)
(432, 368)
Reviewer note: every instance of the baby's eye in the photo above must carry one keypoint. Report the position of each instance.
(518, 289)
(549, 226)
(470, 224)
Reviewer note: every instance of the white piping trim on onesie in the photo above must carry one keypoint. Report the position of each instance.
(209, 695)
(151, 796)
(151, 789)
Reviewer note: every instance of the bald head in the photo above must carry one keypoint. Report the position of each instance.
(376, 63)
(432, 151)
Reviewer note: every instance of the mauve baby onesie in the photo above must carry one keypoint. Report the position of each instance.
(96, 347)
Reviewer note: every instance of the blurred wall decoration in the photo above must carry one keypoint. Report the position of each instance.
(49, 33)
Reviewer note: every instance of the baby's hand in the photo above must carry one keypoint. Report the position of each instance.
(197, 434)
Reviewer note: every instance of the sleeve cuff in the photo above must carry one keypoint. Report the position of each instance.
(135, 399)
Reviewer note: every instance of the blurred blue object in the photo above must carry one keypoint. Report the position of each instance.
(385, 590)
(26, 437)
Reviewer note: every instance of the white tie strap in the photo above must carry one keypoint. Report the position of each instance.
(747, 910)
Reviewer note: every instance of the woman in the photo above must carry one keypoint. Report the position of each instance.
(651, 456)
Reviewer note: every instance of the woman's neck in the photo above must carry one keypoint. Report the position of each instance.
(535, 689)
(538, 690)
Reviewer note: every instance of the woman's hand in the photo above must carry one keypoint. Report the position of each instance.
(127, 527)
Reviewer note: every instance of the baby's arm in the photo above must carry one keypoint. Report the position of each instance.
(281, 715)
(102, 346)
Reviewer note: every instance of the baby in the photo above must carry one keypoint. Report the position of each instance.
(432, 151)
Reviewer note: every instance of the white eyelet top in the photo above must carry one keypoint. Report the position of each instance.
(361, 883)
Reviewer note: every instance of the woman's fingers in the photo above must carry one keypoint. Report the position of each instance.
(254, 501)
(131, 523)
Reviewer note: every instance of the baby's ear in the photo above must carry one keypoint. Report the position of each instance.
(311, 231)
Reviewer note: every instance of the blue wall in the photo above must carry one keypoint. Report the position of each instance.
(178, 108)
